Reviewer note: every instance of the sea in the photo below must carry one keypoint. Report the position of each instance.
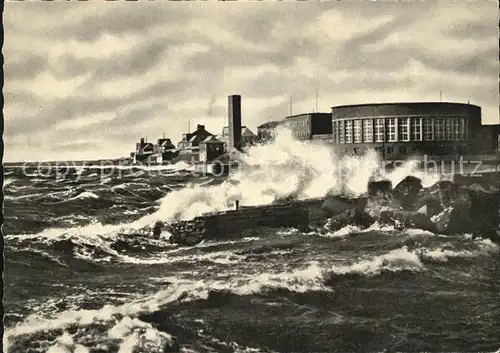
(83, 273)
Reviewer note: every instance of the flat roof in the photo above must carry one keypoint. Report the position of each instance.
(402, 103)
(315, 113)
(271, 123)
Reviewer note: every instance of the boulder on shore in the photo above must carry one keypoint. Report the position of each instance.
(445, 207)
(484, 209)
(353, 216)
(406, 192)
(446, 191)
(380, 198)
(402, 219)
(456, 219)
(429, 206)
(379, 188)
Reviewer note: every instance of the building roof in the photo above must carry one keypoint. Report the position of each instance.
(210, 138)
(302, 114)
(196, 136)
(243, 128)
(246, 131)
(403, 103)
(269, 124)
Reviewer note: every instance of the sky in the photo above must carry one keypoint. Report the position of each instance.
(87, 80)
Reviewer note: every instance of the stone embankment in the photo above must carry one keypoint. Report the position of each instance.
(466, 205)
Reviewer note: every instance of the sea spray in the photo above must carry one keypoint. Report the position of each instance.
(286, 167)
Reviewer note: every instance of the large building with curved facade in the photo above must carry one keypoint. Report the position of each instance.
(399, 130)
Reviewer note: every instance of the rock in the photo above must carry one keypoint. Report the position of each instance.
(380, 198)
(456, 219)
(484, 210)
(484, 180)
(353, 216)
(377, 188)
(431, 206)
(406, 192)
(422, 196)
(447, 192)
(374, 206)
(402, 219)
(387, 218)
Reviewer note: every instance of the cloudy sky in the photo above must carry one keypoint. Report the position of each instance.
(86, 80)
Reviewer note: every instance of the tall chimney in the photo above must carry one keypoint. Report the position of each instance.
(234, 115)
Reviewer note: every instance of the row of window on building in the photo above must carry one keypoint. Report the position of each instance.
(388, 150)
(299, 127)
(404, 150)
(369, 130)
(292, 123)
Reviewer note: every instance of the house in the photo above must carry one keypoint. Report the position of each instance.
(248, 138)
(166, 149)
(210, 149)
(143, 150)
(189, 146)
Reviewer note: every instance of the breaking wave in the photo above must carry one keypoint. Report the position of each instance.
(112, 286)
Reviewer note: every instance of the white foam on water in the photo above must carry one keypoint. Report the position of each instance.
(220, 257)
(179, 166)
(343, 232)
(84, 195)
(377, 227)
(415, 232)
(135, 334)
(8, 181)
(306, 278)
(444, 255)
(280, 169)
(395, 260)
(65, 344)
(483, 247)
(309, 277)
(486, 245)
(20, 197)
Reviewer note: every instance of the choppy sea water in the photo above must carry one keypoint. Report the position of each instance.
(82, 273)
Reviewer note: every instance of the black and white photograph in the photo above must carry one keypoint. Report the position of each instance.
(251, 176)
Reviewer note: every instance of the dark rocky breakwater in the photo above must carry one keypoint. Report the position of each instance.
(463, 206)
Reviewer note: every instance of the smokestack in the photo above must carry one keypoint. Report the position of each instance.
(234, 116)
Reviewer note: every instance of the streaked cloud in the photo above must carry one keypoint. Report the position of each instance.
(86, 80)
